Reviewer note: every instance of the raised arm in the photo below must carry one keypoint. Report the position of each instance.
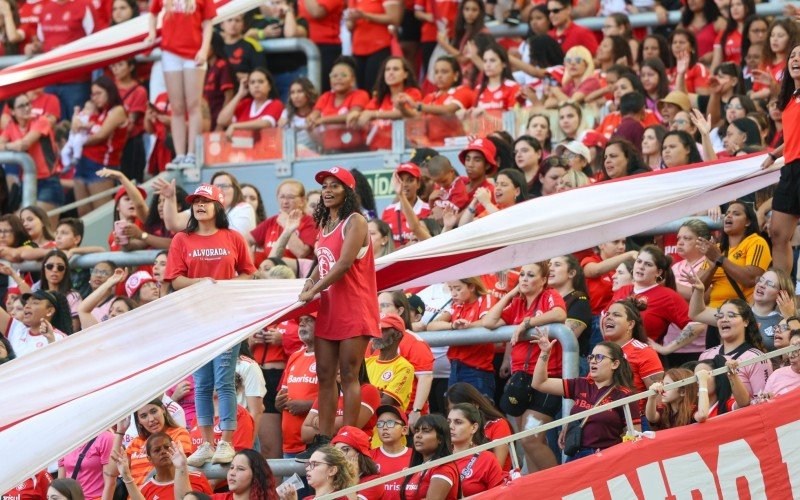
(541, 381)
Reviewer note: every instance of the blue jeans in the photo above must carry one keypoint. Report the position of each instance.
(583, 452)
(480, 379)
(49, 190)
(70, 95)
(283, 81)
(217, 374)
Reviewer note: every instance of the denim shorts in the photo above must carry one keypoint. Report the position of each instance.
(86, 171)
(49, 190)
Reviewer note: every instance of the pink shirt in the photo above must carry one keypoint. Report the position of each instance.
(673, 332)
(90, 475)
(782, 381)
(754, 377)
(187, 403)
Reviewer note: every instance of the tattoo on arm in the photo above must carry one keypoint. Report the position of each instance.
(686, 336)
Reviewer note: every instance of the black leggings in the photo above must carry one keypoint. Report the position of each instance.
(328, 54)
(368, 67)
(134, 158)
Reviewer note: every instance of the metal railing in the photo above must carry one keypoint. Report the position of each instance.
(28, 166)
(624, 402)
(83, 201)
(674, 226)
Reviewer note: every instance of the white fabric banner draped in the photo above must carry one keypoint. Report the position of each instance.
(57, 398)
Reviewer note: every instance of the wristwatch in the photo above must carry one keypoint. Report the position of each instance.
(720, 260)
(144, 236)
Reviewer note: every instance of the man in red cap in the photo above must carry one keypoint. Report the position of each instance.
(391, 373)
(479, 159)
(404, 216)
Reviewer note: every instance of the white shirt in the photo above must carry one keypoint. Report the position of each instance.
(252, 380)
(23, 342)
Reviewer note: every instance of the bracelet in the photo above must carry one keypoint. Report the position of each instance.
(260, 34)
(127, 482)
(119, 433)
(720, 260)
(416, 411)
(419, 107)
(702, 389)
(773, 156)
(471, 209)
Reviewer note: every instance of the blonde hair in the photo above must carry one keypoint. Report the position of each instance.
(346, 474)
(477, 283)
(583, 53)
(280, 272)
(576, 178)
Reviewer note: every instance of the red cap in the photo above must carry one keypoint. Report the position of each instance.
(14, 290)
(393, 321)
(136, 280)
(409, 168)
(207, 191)
(354, 438)
(340, 173)
(484, 146)
(313, 314)
(593, 139)
(121, 192)
(394, 410)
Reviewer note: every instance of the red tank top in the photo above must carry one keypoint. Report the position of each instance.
(349, 307)
(107, 153)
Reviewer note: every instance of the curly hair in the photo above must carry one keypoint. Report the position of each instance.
(633, 308)
(262, 485)
(322, 214)
(346, 474)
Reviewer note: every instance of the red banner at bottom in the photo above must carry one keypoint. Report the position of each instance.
(750, 453)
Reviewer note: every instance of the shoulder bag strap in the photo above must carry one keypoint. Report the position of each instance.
(528, 357)
(604, 396)
(77, 468)
(735, 285)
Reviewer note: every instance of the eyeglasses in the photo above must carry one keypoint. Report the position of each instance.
(730, 315)
(680, 121)
(6, 231)
(591, 358)
(313, 465)
(556, 161)
(794, 353)
(389, 424)
(101, 272)
(555, 11)
(766, 282)
(338, 75)
(570, 60)
(59, 267)
(606, 28)
(224, 186)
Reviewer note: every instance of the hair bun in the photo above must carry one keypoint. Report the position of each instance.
(635, 303)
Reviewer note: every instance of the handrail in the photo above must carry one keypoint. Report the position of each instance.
(544, 428)
(672, 227)
(89, 260)
(82, 201)
(25, 161)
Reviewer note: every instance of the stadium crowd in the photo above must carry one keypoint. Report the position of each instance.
(595, 106)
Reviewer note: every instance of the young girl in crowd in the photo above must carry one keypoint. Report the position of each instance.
(721, 393)
(471, 363)
(481, 471)
(255, 106)
(495, 425)
(688, 75)
(249, 476)
(570, 116)
(302, 99)
(498, 90)
(186, 40)
(654, 79)
(651, 146)
(528, 155)
(675, 407)
(431, 439)
(782, 36)
(546, 183)
(134, 100)
(579, 79)
(538, 127)
(469, 22)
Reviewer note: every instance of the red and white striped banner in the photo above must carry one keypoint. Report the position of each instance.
(98, 50)
(59, 397)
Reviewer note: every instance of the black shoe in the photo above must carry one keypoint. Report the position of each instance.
(318, 442)
(513, 18)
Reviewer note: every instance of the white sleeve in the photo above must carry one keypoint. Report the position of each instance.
(88, 22)
(253, 380)
(242, 219)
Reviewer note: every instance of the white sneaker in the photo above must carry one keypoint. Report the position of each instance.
(224, 453)
(176, 163)
(202, 456)
(189, 161)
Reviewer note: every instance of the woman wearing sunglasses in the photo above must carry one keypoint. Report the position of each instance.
(611, 379)
(56, 277)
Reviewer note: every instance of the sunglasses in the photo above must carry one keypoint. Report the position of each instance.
(591, 358)
(554, 11)
(576, 60)
(58, 267)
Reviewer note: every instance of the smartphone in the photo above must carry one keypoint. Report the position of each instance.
(119, 231)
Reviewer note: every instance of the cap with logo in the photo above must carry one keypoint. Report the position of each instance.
(208, 192)
(341, 173)
(354, 438)
(136, 280)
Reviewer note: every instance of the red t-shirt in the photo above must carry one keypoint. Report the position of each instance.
(791, 131)
(370, 37)
(502, 97)
(269, 231)
(517, 311)
(108, 153)
(575, 35)
(644, 363)
(695, 78)
(152, 489)
(485, 184)
(370, 399)
(243, 436)
(247, 110)
(182, 32)
(455, 195)
(496, 429)
(444, 12)
(480, 472)
(29, 13)
(63, 22)
(134, 99)
(41, 105)
(417, 486)
(373, 492)
(664, 306)
(612, 120)
(600, 292)
(463, 96)
(326, 29)
(45, 167)
(732, 51)
(478, 356)
(393, 215)
(300, 381)
(221, 256)
(776, 70)
(326, 103)
(705, 37)
(380, 131)
(33, 488)
(440, 127)
(389, 464)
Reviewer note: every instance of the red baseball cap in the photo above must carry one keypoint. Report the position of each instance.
(484, 146)
(121, 192)
(354, 438)
(593, 139)
(136, 280)
(340, 173)
(394, 410)
(207, 191)
(409, 168)
(392, 320)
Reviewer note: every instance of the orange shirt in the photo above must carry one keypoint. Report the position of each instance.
(243, 436)
(153, 490)
(140, 465)
(274, 353)
(300, 381)
(370, 37)
(479, 356)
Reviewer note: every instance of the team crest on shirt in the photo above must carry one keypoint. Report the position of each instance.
(326, 259)
(66, 16)
(387, 375)
(498, 94)
(738, 254)
(313, 368)
(641, 298)
(466, 473)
